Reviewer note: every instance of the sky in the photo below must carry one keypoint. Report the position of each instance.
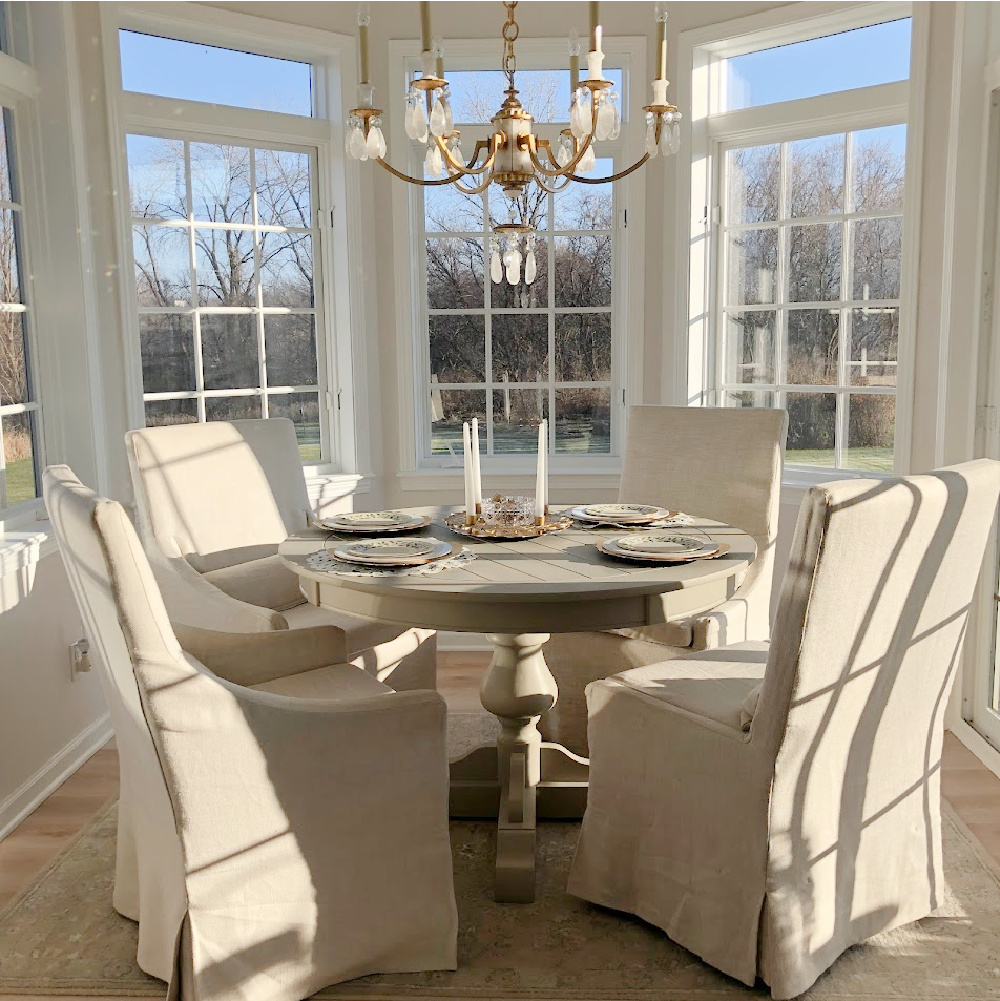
(859, 58)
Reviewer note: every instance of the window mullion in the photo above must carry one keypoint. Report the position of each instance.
(199, 368)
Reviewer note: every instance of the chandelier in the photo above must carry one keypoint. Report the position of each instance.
(513, 157)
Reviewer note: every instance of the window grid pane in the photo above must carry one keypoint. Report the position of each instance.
(225, 244)
(811, 248)
(515, 355)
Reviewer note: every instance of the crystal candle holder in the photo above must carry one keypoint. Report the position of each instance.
(508, 512)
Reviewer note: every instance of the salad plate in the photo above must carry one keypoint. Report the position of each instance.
(390, 552)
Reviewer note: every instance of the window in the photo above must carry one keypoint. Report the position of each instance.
(515, 355)
(808, 245)
(861, 57)
(227, 244)
(168, 67)
(812, 245)
(20, 433)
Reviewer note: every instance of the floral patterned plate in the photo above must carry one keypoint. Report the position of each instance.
(374, 521)
(391, 552)
(619, 514)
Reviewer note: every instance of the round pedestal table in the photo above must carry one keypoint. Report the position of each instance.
(519, 592)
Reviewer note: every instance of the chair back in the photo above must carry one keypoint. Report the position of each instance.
(865, 648)
(723, 463)
(219, 493)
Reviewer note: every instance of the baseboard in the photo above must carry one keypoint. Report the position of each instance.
(52, 774)
(978, 744)
(463, 642)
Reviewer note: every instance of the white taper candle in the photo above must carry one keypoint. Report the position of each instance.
(540, 474)
(470, 497)
(477, 475)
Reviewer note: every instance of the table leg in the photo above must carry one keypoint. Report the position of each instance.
(518, 688)
(523, 778)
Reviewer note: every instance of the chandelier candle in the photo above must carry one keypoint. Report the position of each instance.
(574, 62)
(660, 15)
(425, 26)
(364, 20)
(514, 157)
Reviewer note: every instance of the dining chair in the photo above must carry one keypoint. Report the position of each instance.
(269, 844)
(722, 463)
(214, 502)
(770, 805)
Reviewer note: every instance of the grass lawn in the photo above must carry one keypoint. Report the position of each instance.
(20, 481)
(870, 460)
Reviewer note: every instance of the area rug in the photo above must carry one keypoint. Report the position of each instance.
(62, 937)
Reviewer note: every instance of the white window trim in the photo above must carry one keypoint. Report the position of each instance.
(342, 345)
(417, 472)
(694, 295)
(19, 88)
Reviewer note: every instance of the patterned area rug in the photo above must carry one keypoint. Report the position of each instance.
(62, 937)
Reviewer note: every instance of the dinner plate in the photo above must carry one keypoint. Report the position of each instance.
(391, 552)
(619, 514)
(666, 544)
(609, 547)
(374, 522)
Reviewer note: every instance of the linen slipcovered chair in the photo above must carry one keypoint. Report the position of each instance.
(722, 463)
(770, 806)
(214, 502)
(269, 844)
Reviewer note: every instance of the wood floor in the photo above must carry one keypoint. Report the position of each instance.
(971, 788)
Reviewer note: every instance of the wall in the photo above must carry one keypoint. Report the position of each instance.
(50, 725)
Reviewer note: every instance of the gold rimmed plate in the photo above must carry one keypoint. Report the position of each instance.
(374, 522)
(391, 552)
(612, 547)
(619, 514)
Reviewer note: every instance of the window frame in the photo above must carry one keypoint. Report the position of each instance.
(419, 467)
(698, 378)
(340, 335)
(19, 88)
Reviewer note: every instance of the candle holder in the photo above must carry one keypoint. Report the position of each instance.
(508, 518)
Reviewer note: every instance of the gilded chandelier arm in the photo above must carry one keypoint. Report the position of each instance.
(610, 177)
(414, 180)
(532, 144)
(493, 146)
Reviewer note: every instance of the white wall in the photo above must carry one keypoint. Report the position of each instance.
(49, 724)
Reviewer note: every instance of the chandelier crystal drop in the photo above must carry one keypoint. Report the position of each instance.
(514, 157)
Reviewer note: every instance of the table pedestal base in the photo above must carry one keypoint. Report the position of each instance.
(523, 779)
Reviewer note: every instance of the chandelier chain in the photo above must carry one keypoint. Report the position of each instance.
(510, 32)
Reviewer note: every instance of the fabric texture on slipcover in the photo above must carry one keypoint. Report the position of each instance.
(720, 463)
(215, 501)
(281, 844)
(770, 852)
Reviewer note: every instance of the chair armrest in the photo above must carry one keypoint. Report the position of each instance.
(283, 802)
(191, 599)
(255, 658)
(745, 616)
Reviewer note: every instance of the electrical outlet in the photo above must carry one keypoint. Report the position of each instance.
(79, 659)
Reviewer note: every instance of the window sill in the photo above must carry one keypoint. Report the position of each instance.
(22, 547)
(801, 478)
(575, 479)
